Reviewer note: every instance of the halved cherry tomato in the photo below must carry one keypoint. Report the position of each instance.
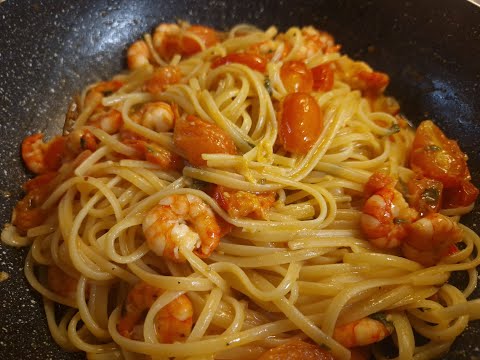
(240, 204)
(425, 195)
(301, 123)
(463, 195)
(208, 36)
(194, 137)
(254, 62)
(39, 181)
(437, 157)
(322, 77)
(296, 77)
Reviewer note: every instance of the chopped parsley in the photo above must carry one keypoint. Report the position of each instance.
(268, 85)
(433, 148)
(398, 221)
(394, 129)
(431, 196)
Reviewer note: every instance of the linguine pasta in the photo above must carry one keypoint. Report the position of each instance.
(296, 264)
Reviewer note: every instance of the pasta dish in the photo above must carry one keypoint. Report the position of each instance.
(247, 194)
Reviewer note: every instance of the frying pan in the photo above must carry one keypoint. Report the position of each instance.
(51, 49)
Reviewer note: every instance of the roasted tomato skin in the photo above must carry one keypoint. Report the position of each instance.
(296, 77)
(323, 77)
(437, 157)
(463, 195)
(194, 137)
(301, 123)
(254, 62)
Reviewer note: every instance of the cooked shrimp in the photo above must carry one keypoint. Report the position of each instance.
(60, 282)
(138, 55)
(385, 214)
(315, 41)
(109, 121)
(172, 323)
(95, 95)
(297, 350)
(40, 157)
(79, 140)
(240, 204)
(155, 154)
(362, 332)
(194, 137)
(157, 116)
(181, 221)
(359, 76)
(268, 48)
(166, 39)
(161, 78)
(430, 238)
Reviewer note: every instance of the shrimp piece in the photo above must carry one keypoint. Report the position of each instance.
(166, 39)
(61, 283)
(138, 55)
(157, 116)
(297, 350)
(181, 221)
(268, 48)
(359, 76)
(40, 157)
(96, 94)
(194, 137)
(315, 41)
(240, 204)
(431, 238)
(172, 323)
(109, 121)
(28, 214)
(161, 78)
(385, 214)
(79, 140)
(155, 154)
(362, 332)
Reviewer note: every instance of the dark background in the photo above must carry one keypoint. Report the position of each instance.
(49, 50)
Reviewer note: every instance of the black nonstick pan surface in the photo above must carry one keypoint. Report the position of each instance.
(49, 50)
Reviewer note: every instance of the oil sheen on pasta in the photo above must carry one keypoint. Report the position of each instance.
(246, 194)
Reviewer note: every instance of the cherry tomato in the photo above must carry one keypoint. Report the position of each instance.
(301, 123)
(194, 137)
(437, 157)
(54, 153)
(322, 77)
(425, 195)
(297, 350)
(463, 195)
(296, 77)
(254, 62)
(208, 36)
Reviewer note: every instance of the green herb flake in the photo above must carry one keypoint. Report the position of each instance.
(433, 148)
(431, 196)
(394, 129)
(198, 184)
(382, 317)
(268, 85)
(325, 347)
(398, 221)
(83, 142)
